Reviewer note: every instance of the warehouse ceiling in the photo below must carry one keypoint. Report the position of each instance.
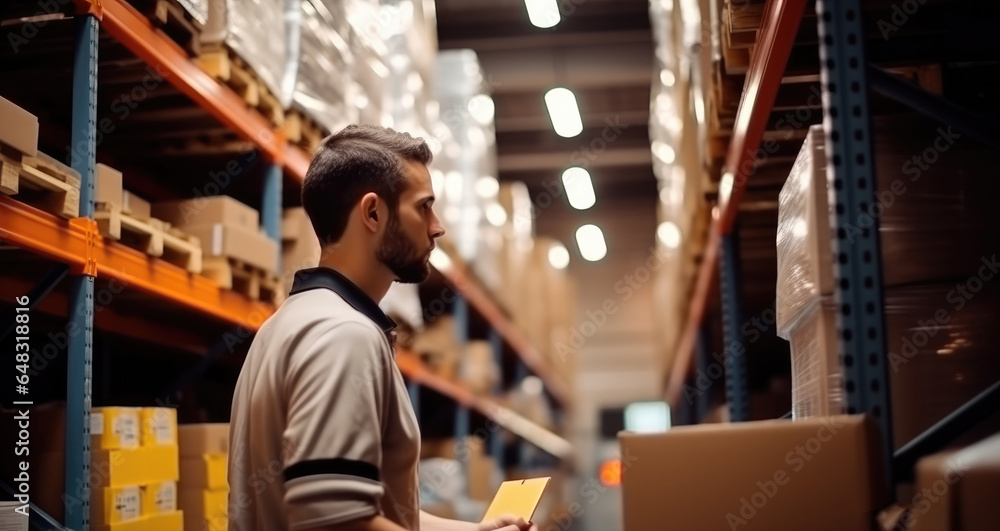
(603, 51)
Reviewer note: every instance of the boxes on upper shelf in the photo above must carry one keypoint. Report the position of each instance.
(135, 466)
(136, 206)
(204, 472)
(200, 439)
(108, 186)
(226, 241)
(159, 426)
(786, 475)
(159, 498)
(112, 428)
(110, 505)
(300, 247)
(162, 522)
(207, 211)
(956, 490)
(205, 509)
(18, 128)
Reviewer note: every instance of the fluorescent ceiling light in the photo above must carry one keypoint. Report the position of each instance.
(487, 186)
(558, 256)
(663, 151)
(667, 78)
(564, 112)
(440, 260)
(590, 240)
(481, 108)
(579, 188)
(543, 13)
(647, 417)
(669, 234)
(453, 185)
(496, 215)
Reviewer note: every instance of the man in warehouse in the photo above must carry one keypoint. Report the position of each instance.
(323, 435)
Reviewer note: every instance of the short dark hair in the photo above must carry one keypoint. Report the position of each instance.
(351, 163)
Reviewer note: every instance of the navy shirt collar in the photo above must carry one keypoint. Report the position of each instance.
(326, 278)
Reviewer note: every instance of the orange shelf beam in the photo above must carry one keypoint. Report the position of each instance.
(67, 241)
(767, 67)
(410, 366)
(171, 62)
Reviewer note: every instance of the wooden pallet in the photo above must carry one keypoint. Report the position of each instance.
(303, 131)
(174, 20)
(155, 237)
(40, 181)
(224, 65)
(244, 278)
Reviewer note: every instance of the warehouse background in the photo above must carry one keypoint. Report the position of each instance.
(652, 221)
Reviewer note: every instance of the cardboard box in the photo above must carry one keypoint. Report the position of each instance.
(159, 498)
(206, 472)
(816, 474)
(110, 505)
(136, 206)
(203, 211)
(197, 440)
(108, 186)
(18, 128)
(229, 241)
(481, 471)
(159, 426)
(957, 491)
(817, 379)
(162, 522)
(10, 519)
(300, 247)
(112, 428)
(219, 523)
(136, 466)
(204, 505)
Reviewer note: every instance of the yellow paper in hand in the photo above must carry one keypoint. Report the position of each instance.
(519, 498)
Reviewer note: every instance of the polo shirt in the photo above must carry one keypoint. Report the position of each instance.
(322, 429)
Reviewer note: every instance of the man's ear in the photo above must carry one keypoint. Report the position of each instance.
(369, 207)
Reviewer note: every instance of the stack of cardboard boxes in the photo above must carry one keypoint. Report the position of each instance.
(134, 470)
(939, 235)
(204, 489)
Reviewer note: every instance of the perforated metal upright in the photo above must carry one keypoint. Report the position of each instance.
(270, 211)
(461, 313)
(737, 393)
(857, 263)
(81, 289)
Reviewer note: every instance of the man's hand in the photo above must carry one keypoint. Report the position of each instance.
(507, 523)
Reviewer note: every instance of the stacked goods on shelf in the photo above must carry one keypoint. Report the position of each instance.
(956, 491)
(32, 176)
(411, 47)
(458, 477)
(204, 489)
(127, 218)
(300, 247)
(438, 347)
(259, 69)
(323, 80)
(134, 469)
(939, 237)
(370, 73)
(478, 369)
(680, 147)
(236, 254)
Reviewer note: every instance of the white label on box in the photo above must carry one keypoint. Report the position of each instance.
(166, 497)
(127, 430)
(217, 239)
(96, 423)
(160, 427)
(127, 503)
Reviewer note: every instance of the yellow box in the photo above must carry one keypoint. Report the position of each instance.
(199, 439)
(135, 466)
(113, 428)
(111, 505)
(219, 523)
(162, 522)
(159, 498)
(159, 426)
(204, 504)
(205, 472)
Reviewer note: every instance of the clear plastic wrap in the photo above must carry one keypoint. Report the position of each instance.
(935, 205)
(326, 60)
(803, 238)
(941, 352)
(257, 31)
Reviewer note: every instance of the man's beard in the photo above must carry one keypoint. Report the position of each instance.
(408, 263)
